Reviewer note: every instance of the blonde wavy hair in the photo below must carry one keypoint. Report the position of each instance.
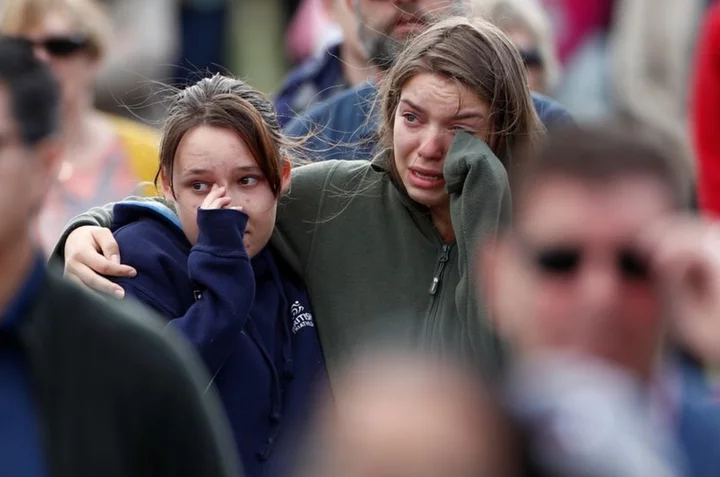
(88, 16)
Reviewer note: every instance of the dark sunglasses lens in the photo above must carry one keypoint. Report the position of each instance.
(633, 266)
(531, 58)
(558, 261)
(63, 46)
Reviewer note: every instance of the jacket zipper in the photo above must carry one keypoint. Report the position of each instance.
(437, 277)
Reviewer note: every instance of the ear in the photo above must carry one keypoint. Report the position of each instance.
(166, 187)
(286, 177)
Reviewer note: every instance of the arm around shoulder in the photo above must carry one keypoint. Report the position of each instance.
(98, 217)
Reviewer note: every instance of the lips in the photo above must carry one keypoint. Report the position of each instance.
(408, 24)
(425, 178)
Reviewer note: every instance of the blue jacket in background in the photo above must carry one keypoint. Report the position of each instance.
(697, 422)
(314, 80)
(250, 320)
(344, 126)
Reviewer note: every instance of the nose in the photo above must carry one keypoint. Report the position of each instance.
(435, 145)
(599, 288)
(41, 54)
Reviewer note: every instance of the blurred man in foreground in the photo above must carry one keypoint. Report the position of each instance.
(601, 262)
(86, 387)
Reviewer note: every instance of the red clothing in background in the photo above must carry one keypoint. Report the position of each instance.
(706, 113)
(574, 21)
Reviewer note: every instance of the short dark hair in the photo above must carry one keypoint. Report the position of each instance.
(34, 92)
(599, 154)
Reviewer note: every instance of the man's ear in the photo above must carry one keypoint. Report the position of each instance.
(286, 176)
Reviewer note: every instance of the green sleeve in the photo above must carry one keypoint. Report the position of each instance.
(298, 216)
(479, 192)
(97, 216)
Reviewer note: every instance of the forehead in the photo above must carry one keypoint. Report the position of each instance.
(441, 96)
(213, 148)
(561, 207)
(53, 22)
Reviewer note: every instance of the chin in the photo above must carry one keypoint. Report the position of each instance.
(428, 198)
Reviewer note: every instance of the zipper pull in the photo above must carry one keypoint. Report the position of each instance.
(444, 257)
(434, 285)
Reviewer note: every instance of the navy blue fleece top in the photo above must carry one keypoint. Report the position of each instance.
(250, 320)
(21, 447)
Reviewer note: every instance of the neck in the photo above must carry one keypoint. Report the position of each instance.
(356, 69)
(16, 260)
(77, 129)
(443, 223)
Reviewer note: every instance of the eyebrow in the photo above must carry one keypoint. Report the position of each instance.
(202, 170)
(467, 115)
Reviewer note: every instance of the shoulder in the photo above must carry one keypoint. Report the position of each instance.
(342, 103)
(146, 236)
(330, 174)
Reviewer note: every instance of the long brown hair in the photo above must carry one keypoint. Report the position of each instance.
(225, 102)
(479, 56)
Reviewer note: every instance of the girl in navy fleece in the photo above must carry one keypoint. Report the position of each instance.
(209, 269)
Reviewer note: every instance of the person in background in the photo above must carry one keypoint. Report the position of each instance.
(528, 26)
(602, 260)
(87, 387)
(210, 272)
(104, 157)
(203, 39)
(341, 65)
(406, 415)
(705, 118)
(345, 126)
(145, 44)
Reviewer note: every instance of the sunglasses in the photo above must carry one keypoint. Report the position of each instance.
(531, 58)
(60, 46)
(566, 260)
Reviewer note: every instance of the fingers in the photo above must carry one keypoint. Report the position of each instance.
(106, 243)
(214, 198)
(86, 277)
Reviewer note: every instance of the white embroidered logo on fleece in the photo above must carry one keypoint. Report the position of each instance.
(300, 319)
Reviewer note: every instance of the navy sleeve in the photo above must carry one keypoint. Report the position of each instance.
(221, 270)
(221, 274)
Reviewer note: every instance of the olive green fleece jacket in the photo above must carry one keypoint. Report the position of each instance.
(374, 264)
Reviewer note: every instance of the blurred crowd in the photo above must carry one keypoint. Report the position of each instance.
(379, 238)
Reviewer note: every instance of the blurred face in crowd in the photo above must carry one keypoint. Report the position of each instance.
(572, 277)
(26, 173)
(431, 110)
(341, 15)
(530, 53)
(395, 417)
(384, 25)
(62, 45)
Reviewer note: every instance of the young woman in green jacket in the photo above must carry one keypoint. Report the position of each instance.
(385, 247)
